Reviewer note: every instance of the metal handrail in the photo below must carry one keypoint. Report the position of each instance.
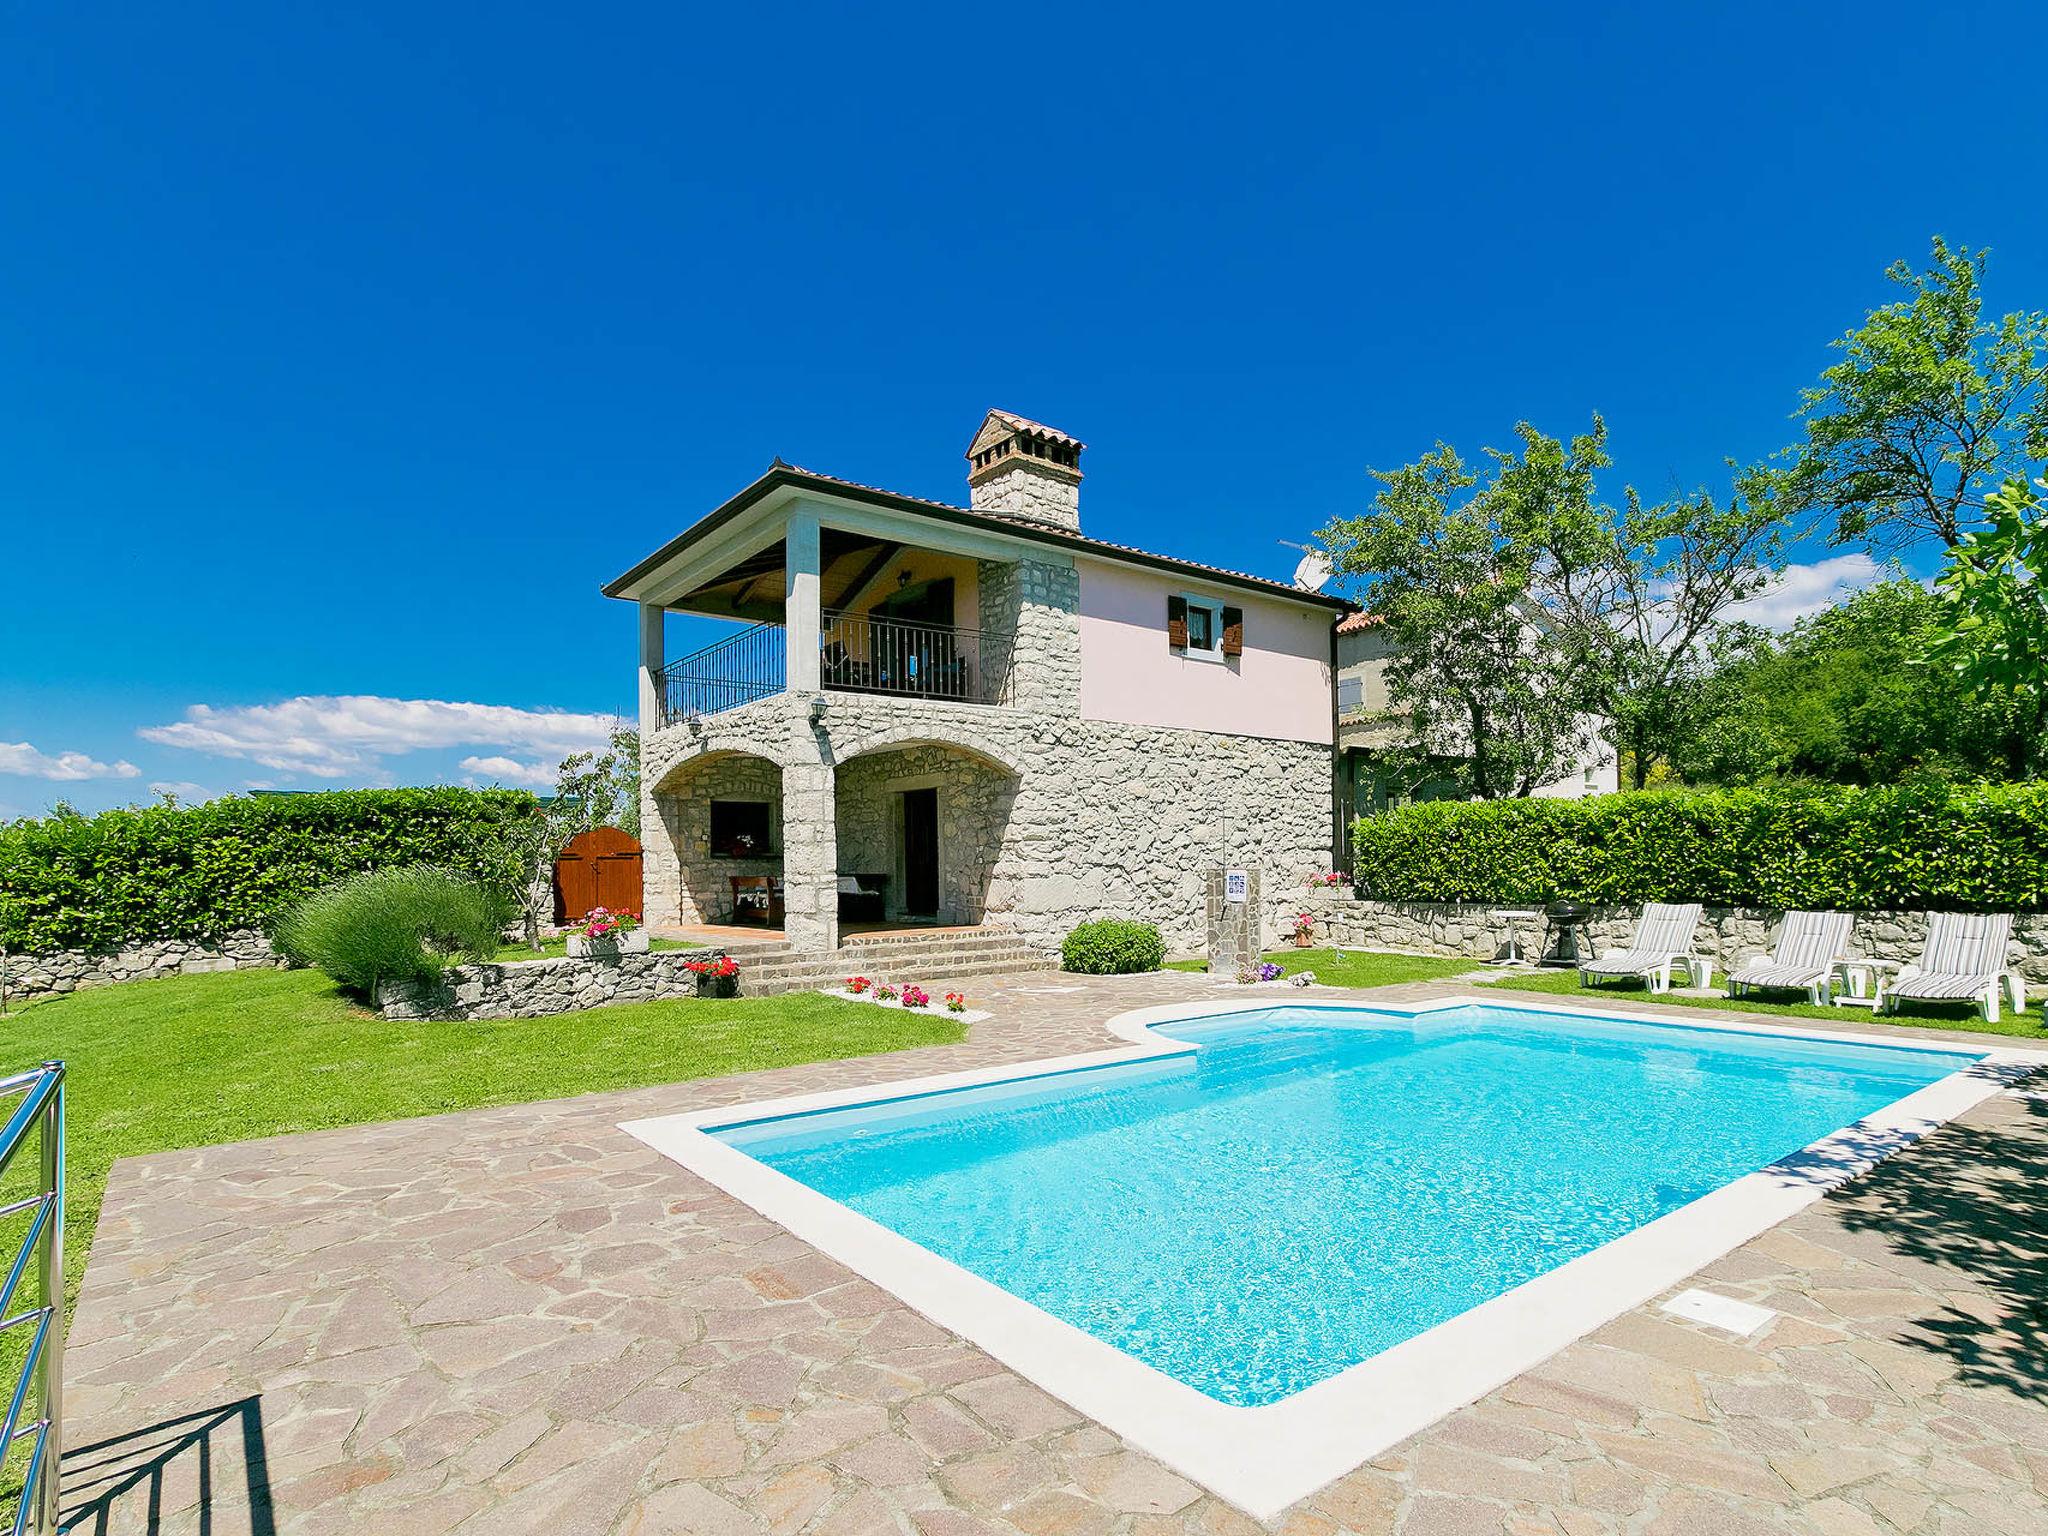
(874, 653)
(735, 671)
(42, 1370)
(857, 653)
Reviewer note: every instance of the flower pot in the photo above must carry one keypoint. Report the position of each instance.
(1303, 940)
(608, 947)
(718, 986)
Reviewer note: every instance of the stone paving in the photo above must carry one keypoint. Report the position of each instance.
(521, 1319)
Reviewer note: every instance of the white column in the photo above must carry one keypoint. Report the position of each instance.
(800, 601)
(653, 657)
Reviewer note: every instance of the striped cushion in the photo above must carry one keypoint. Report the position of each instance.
(1632, 962)
(1764, 974)
(1664, 934)
(1967, 943)
(1937, 984)
(1809, 944)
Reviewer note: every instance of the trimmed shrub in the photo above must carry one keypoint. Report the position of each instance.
(1112, 947)
(159, 872)
(392, 925)
(1911, 846)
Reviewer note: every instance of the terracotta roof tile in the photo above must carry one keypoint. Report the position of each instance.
(1018, 423)
(1353, 623)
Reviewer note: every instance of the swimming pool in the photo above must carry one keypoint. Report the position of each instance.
(1256, 1219)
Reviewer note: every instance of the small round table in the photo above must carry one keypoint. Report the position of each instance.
(1512, 954)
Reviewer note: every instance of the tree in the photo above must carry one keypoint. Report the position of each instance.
(1930, 408)
(1840, 698)
(1642, 598)
(626, 755)
(1479, 671)
(592, 789)
(1992, 633)
(1533, 611)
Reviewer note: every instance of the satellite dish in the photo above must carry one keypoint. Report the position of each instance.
(1313, 573)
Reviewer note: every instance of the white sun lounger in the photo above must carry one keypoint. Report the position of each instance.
(1663, 940)
(1810, 946)
(1965, 958)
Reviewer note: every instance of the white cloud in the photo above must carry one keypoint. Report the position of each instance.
(506, 770)
(19, 757)
(1805, 589)
(351, 734)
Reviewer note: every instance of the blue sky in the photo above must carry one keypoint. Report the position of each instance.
(343, 356)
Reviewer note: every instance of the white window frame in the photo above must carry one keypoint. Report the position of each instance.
(1214, 608)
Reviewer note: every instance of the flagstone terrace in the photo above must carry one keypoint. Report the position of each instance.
(520, 1319)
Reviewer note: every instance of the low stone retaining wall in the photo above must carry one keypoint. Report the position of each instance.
(67, 970)
(532, 989)
(1725, 934)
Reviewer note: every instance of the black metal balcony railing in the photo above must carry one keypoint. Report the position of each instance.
(736, 671)
(862, 654)
(857, 653)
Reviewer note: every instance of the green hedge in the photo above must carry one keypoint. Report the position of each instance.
(122, 877)
(1912, 846)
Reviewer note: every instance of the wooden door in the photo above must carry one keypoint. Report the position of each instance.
(599, 868)
(920, 853)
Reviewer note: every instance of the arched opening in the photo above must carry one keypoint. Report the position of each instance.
(921, 827)
(721, 835)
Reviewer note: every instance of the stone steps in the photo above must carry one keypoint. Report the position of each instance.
(895, 958)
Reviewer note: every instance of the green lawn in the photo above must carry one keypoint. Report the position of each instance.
(558, 949)
(1926, 1015)
(1352, 967)
(193, 1061)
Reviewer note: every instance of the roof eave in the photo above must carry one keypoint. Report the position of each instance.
(782, 475)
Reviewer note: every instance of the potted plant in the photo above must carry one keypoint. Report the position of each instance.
(604, 933)
(885, 993)
(858, 985)
(916, 997)
(956, 1002)
(717, 975)
(1304, 930)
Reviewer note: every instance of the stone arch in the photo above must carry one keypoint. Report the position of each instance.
(689, 875)
(954, 876)
(950, 737)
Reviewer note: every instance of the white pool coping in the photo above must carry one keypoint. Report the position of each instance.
(1265, 1459)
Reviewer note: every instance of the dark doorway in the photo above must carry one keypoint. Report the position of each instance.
(920, 853)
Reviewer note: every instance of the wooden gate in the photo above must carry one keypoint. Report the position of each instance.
(599, 868)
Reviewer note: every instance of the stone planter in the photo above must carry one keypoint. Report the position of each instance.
(610, 947)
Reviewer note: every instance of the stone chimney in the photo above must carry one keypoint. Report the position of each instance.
(1018, 468)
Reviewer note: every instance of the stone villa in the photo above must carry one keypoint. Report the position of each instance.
(972, 715)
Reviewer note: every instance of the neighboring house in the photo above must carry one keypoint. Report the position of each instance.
(1370, 727)
(972, 715)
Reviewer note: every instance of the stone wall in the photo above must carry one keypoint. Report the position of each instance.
(68, 970)
(974, 802)
(1726, 934)
(694, 886)
(1107, 820)
(532, 989)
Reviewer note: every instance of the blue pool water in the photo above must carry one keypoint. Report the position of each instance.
(1311, 1187)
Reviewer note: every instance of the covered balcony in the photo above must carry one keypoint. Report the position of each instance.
(856, 653)
(835, 610)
